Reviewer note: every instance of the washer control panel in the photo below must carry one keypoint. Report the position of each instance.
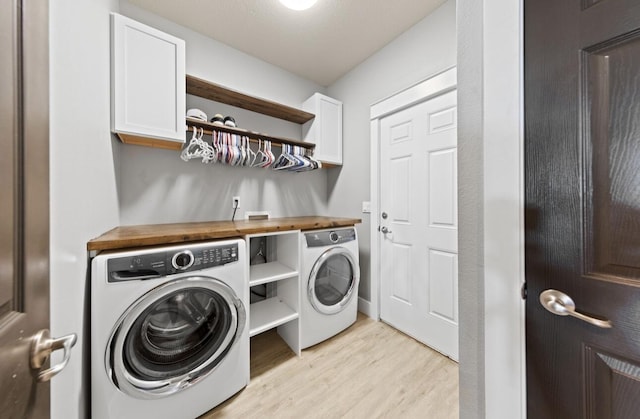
(163, 263)
(328, 238)
(207, 257)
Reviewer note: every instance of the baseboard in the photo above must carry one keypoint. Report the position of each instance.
(364, 307)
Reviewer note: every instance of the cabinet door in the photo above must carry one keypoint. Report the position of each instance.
(325, 131)
(147, 82)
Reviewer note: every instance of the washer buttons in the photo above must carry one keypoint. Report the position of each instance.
(182, 260)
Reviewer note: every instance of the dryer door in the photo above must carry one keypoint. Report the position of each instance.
(333, 281)
(173, 336)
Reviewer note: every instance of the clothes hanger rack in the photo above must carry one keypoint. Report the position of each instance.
(232, 147)
(253, 136)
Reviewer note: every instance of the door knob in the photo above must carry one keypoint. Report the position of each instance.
(385, 230)
(561, 304)
(41, 347)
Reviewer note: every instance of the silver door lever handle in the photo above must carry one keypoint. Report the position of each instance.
(561, 304)
(385, 230)
(41, 347)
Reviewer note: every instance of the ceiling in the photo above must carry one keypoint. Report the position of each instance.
(320, 44)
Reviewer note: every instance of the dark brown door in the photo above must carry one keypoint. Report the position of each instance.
(582, 181)
(24, 211)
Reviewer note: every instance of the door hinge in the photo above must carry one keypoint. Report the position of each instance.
(523, 291)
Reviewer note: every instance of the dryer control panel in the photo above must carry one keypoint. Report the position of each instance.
(158, 264)
(328, 238)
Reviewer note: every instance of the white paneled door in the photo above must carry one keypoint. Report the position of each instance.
(419, 228)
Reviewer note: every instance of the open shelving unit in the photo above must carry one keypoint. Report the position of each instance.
(281, 307)
(212, 91)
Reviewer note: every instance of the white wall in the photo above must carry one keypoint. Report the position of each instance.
(491, 255)
(84, 200)
(156, 186)
(426, 49)
(470, 210)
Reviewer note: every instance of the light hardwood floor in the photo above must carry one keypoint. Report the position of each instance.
(368, 371)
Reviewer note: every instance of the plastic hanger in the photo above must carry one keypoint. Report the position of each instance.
(206, 149)
(191, 150)
(270, 157)
(285, 161)
(257, 158)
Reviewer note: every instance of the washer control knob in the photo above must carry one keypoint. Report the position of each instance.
(333, 236)
(182, 260)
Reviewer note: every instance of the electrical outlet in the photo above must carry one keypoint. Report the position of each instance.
(235, 202)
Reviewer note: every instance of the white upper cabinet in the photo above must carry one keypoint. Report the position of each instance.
(325, 131)
(147, 84)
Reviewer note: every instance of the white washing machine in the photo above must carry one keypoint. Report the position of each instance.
(169, 330)
(329, 283)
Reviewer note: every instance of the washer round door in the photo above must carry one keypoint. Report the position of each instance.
(173, 336)
(333, 281)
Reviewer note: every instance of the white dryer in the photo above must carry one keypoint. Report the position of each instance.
(329, 283)
(169, 330)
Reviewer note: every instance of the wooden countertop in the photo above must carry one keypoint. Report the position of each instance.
(154, 234)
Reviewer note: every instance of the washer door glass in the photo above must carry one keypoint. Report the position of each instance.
(174, 335)
(333, 281)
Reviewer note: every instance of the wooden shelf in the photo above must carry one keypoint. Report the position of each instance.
(215, 92)
(208, 127)
(269, 272)
(267, 314)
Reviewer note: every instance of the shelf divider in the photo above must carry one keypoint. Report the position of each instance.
(269, 313)
(269, 272)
